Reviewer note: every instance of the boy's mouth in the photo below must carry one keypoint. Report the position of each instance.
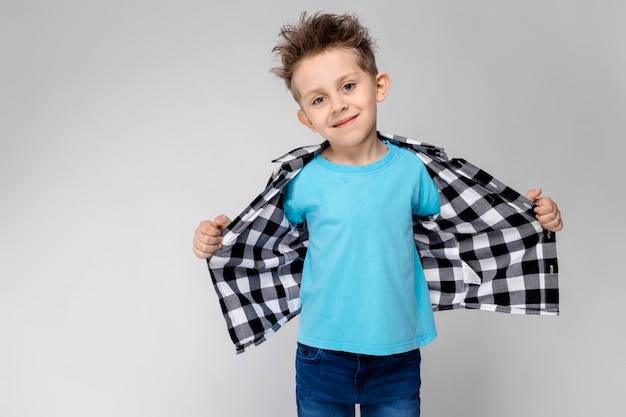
(344, 122)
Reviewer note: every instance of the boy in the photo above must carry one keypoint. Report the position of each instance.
(335, 237)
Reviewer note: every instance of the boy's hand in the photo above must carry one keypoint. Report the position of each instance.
(546, 211)
(207, 237)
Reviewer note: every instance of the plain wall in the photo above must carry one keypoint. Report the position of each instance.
(123, 124)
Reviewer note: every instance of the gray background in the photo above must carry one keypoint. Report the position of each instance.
(125, 123)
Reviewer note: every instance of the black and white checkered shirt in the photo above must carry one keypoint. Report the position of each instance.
(485, 250)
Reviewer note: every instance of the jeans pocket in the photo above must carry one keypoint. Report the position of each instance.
(306, 353)
(407, 356)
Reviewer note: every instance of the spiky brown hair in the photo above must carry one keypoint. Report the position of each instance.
(320, 32)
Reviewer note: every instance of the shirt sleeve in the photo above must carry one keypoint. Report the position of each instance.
(427, 203)
(294, 214)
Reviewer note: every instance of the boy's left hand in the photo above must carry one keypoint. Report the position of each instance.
(546, 211)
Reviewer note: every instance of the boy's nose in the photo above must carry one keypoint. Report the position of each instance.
(339, 105)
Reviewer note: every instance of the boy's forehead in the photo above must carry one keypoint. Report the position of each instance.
(322, 58)
(332, 63)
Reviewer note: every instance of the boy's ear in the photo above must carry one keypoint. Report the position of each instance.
(304, 119)
(383, 82)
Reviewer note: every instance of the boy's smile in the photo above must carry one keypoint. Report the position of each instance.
(338, 100)
(345, 121)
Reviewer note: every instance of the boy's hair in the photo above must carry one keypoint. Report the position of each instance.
(320, 32)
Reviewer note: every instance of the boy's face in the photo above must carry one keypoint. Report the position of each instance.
(337, 98)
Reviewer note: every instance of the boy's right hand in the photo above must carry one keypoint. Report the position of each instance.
(207, 238)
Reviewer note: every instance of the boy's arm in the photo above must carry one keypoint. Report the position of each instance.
(546, 211)
(207, 238)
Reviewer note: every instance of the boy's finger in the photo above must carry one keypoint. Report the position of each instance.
(532, 195)
(222, 221)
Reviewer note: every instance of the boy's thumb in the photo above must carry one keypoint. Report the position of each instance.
(533, 194)
(222, 220)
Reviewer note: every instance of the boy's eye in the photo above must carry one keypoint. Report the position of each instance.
(318, 100)
(348, 87)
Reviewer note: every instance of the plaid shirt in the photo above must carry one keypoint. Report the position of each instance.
(485, 250)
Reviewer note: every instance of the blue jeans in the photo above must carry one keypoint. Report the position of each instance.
(331, 383)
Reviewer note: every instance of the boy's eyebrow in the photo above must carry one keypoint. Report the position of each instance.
(339, 80)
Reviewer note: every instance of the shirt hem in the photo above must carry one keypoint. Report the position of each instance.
(370, 350)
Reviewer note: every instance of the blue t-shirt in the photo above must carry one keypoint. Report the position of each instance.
(363, 288)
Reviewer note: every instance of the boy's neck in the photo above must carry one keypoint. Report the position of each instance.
(364, 153)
